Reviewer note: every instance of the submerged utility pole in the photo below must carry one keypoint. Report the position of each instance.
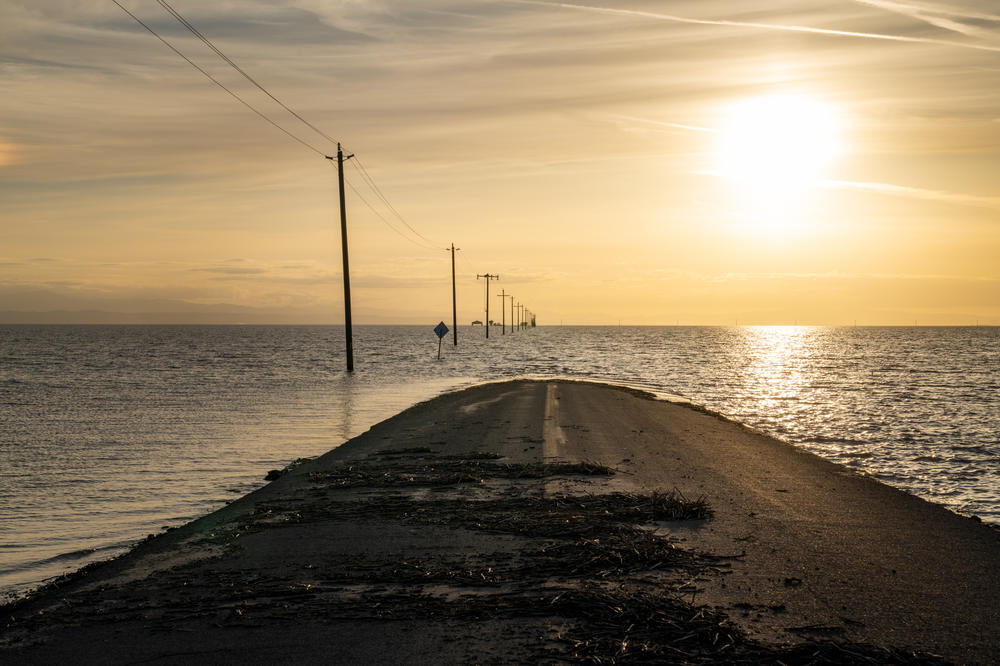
(347, 271)
(454, 303)
(488, 278)
(503, 314)
(511, 313)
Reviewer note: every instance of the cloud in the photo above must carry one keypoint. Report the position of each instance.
(914, 193)
(940, 16)
(672, 18)
(8, 153)
(660, 124)
(232, 270)
(904, 191)
(908, 277)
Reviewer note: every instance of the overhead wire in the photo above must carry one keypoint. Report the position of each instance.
(378, 192)
(219, 83)
(385, 221)
(362, 170)
(232, 63)
(197, 33)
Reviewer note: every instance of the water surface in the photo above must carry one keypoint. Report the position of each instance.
(112, 432)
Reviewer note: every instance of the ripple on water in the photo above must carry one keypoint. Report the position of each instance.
(94, 416)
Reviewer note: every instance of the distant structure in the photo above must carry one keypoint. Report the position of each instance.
(488, 278)
(477, 323)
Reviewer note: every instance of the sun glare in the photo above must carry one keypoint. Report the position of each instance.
(778, 141)
(6, 153)
(773, 150)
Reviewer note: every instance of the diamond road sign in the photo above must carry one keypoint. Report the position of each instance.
(441, 330)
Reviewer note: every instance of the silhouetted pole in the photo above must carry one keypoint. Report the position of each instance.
(488, 278)
(511, 314)
(347, 271)
(454, 305)
(503, 314)
(520, 313)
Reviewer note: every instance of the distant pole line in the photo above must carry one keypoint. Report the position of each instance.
(503, 314)
(512, 308)
(366, 176)
(454, 302)
(488, 278)
(347, 270)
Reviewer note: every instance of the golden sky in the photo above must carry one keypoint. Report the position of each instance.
(692, 162)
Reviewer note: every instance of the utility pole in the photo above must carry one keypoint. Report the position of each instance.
(520, 313)
(488, 278)
(454, 303)
(503, 314)
(347, 271)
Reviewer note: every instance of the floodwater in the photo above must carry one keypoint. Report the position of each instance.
(109, 433)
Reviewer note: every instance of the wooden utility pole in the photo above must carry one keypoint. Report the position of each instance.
(488, 278)
(503, 314)
(347, 271)
(454, 306)
(511, 314)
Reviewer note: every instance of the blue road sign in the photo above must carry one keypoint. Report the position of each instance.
(441, 330)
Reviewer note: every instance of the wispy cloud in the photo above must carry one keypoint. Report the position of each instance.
(663, 124)
(232, 270)
(915, 193)
(939, 16)
(834, 275)
(673, 18)
(905, 191)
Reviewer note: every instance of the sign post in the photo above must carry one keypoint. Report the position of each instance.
(440, 330)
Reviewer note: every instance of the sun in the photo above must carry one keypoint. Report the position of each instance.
(7, 153)
(778, 142)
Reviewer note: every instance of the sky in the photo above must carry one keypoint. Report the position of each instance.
(689, 162)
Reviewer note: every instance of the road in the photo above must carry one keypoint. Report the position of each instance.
(438, 536)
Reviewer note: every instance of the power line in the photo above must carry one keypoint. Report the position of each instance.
(366, 176)
(357, 162)
(387, 222)
(197, 33)
(378, 192)
(218, 83)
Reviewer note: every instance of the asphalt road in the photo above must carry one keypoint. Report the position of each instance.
(374, 552)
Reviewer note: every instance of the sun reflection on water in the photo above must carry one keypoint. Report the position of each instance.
(776, 361)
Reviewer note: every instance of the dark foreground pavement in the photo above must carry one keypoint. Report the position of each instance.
(465, 530)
